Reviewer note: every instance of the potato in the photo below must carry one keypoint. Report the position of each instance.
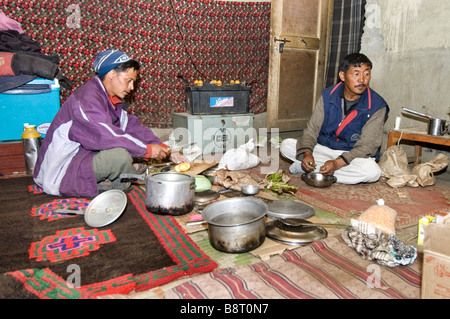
(183, 167)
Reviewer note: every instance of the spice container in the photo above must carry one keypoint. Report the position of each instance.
(425, 220)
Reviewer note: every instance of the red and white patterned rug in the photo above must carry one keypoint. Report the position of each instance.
(411, 203)
(326, 269)
(44, 251)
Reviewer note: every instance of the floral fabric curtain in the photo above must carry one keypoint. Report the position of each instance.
(346, 31)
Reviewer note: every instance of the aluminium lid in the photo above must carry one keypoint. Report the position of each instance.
(282, 209)
(105, 208)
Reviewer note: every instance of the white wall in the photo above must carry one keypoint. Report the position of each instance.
(408, 42)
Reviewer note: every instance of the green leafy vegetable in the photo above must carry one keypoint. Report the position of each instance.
(277, 182)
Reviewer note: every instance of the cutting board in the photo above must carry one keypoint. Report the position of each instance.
(198, 167)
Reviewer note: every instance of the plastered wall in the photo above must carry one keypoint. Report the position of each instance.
(409, 43)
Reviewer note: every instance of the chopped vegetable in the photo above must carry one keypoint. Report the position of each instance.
(311, 164)
(183, 167)
(277, 182)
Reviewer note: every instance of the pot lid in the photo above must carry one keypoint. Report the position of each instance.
(283, 232)
(205, 196)
(289, 209)
(105, 208)
(173, 177)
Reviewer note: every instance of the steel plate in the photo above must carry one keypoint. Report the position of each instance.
(282, 209)
(105, 208)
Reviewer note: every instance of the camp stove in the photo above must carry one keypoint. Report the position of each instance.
(294, 232)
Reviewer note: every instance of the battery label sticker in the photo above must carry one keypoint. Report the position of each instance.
(223, 101)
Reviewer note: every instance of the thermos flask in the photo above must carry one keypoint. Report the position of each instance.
(31, 142)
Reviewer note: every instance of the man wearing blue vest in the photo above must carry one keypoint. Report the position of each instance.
(345, 131)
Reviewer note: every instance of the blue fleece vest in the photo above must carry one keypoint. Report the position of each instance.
(341, 134)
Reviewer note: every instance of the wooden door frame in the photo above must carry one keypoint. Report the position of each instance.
(274, 64)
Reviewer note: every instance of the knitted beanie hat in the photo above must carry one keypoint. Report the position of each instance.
(108, 60)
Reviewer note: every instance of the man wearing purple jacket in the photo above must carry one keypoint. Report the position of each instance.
(92, 139)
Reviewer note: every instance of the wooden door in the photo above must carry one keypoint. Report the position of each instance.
(297, 61)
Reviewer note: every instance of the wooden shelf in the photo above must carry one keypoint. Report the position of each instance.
(416, 136)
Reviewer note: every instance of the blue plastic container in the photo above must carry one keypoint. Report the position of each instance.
(36, 103)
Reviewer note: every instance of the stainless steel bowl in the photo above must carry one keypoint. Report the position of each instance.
(210, 173)
(318, 180)
(250, 189)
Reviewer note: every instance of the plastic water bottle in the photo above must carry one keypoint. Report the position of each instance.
(31, 142)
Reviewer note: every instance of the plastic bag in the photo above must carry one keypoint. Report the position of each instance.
(381, 217)
(239, 158)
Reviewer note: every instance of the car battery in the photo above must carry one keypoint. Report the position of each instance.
(35, 103)
(213, 99)
(214, 134)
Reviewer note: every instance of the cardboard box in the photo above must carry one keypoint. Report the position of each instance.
(436, 263)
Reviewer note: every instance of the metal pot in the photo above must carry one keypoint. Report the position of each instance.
(236, 225)
(168, 193)
(436, 126)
